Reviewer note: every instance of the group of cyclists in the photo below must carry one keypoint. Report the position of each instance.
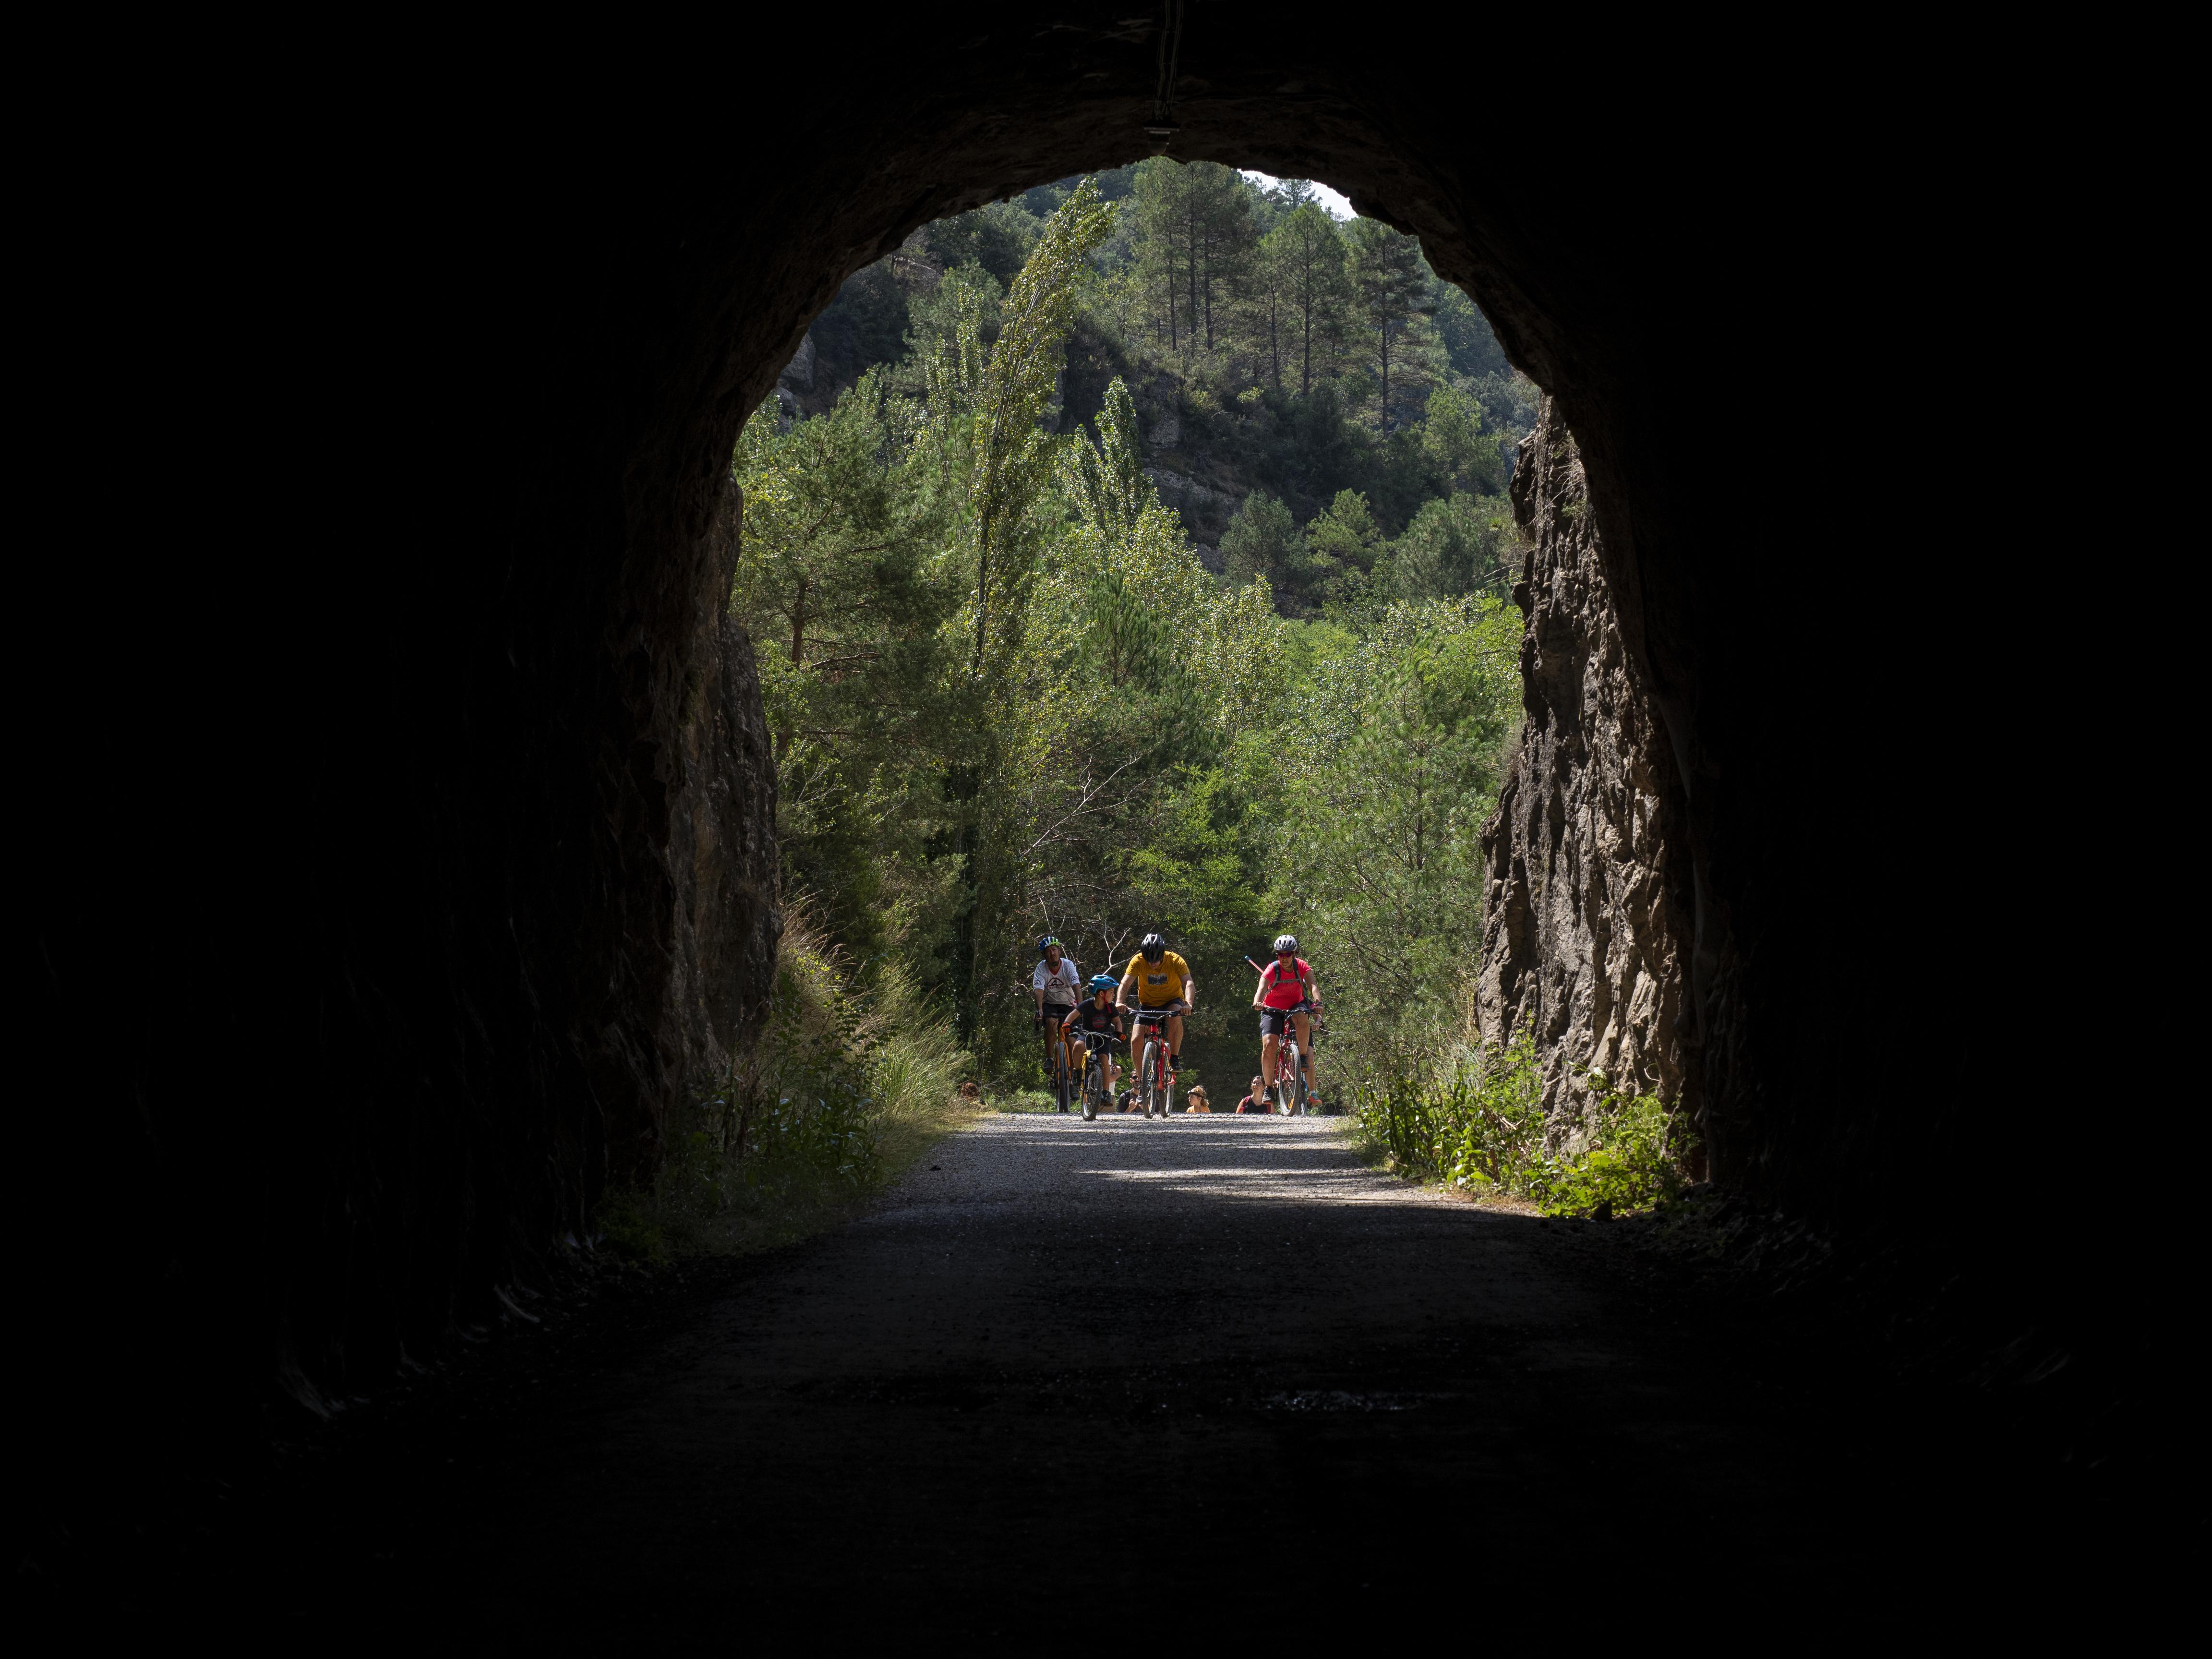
(1150, 999)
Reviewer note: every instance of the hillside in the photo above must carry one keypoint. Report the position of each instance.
(1313, 403)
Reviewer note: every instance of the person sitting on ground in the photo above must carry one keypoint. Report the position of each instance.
(1254, 1101)
(1129, 1100)
(1197, 1099)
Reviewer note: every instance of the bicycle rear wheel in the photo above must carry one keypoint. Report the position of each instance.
(1093, 1087)
(1148, 1080)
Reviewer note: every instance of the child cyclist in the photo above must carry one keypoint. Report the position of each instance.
(1101, 1016)
(1285, 997)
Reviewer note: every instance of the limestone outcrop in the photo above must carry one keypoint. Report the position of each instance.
(1588, 929)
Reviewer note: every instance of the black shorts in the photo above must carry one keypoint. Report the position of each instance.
(1274, 1022)
(1056, 1012)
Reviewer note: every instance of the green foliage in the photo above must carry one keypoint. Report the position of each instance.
(1263, 540)
(997, 239)
(1007, 698)
(1394, 287)
(1456, 545)
(1403, 731)
(845, 1086)
(1479, 1123)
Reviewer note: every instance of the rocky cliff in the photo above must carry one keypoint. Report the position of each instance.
(1587, 927)
(721, 850)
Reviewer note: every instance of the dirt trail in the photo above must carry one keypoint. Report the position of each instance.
(1116, 1374)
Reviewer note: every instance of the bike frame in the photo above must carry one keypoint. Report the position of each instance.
(1095, 1093)
(1289, 1079)
(1149, 1021)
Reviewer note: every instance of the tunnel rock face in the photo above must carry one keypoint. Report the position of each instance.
(721, 853)
(1586, 930)
(442, 915)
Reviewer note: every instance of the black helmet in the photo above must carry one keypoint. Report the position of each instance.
(1153, 946)
(1047, 943)
(1286, 942)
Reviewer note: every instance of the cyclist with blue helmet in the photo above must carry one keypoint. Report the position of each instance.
(1100, 1017)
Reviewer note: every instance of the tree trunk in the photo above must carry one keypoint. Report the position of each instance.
(1305, 372)
(1386, 376)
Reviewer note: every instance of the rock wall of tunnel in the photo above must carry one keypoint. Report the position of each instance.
(409, 985)
(1588, 916)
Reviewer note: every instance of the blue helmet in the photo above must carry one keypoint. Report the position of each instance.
(1104, 982)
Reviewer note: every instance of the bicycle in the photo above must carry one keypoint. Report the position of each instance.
(1063, 1080)
(1288, 1086)
(1155, 1082)
(1096, 1094)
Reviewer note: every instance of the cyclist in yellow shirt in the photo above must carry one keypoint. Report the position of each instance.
(1161, 979)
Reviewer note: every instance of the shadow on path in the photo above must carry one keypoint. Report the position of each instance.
(1128, 1376)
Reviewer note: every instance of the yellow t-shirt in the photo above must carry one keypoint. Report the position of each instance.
(1158, 982)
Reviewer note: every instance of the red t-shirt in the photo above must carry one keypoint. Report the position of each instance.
(1282, 990)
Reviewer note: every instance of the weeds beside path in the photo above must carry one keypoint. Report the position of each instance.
(854, 1079)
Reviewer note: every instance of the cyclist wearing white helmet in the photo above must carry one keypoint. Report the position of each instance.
(1285, 997)
(1058, 986)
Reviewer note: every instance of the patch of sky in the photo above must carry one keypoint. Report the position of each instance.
(1333, 202)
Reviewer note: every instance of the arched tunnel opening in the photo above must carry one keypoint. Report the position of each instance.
(535, 889)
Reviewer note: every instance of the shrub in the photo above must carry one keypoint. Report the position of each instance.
(1481, 1125)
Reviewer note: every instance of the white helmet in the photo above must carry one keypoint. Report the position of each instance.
(1286, 942)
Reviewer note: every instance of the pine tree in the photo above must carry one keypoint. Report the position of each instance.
(1394, 286)
(1309, 255)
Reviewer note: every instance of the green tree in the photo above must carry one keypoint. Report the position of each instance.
(1451, 437)
(1467, 334)
(1408, 724)
(1262, 541)
(1306, 255)
(1008, 395)
(1394, 287)
(1456, 544)
(840, 584)
(1342, 542)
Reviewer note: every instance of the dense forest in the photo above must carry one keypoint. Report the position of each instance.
(1133, 554)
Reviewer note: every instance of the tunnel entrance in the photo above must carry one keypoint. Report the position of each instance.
(540, 894)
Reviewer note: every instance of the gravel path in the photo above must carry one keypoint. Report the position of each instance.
(1080, 1377)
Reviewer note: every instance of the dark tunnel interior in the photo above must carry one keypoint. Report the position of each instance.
(432, 951)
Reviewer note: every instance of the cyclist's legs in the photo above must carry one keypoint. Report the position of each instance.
(1268, 1043)
(1172, 1026)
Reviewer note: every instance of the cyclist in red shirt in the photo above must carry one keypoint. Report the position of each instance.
(1285, 997)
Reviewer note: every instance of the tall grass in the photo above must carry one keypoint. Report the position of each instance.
(850, 1082)
(1477, 1122)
